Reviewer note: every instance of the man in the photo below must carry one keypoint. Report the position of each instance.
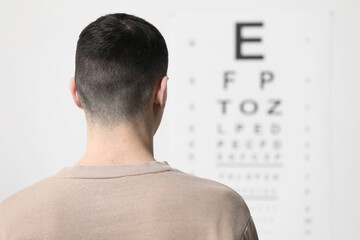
(117, 190)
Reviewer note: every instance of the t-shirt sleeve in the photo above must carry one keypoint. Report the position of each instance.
(250, 232)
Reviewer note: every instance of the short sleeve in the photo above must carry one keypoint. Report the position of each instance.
(250, 232)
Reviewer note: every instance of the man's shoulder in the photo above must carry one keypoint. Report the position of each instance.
(25, 195)
(210, 198)
(208, 190)
(202, 183)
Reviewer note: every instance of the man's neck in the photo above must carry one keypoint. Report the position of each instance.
(125, 144)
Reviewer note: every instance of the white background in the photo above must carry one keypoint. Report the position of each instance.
(41, 130)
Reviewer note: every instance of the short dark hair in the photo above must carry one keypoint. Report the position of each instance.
(119, 58)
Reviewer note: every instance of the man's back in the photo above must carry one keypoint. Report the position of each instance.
(148, 200)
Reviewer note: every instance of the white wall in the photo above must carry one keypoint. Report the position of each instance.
(345, 118)
(41, 130)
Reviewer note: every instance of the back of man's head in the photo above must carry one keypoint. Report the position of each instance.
(119, 58)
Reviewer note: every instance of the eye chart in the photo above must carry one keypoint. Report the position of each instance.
(249, 100)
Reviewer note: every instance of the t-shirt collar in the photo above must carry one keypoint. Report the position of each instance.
(113, 171)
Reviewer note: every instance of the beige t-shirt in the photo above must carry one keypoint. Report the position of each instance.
(147, 200)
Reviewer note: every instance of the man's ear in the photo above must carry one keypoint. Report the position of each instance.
(74, 92)
(161, 92)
